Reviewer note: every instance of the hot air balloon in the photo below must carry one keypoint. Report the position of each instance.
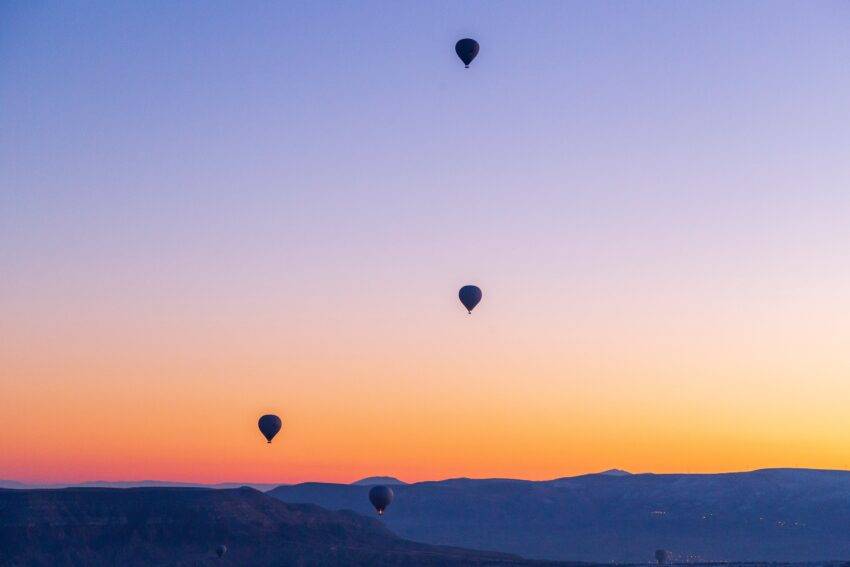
(469, 295)
(662, 555)
(466, 49)
(381, 496)
(269, 426)
(221, 550)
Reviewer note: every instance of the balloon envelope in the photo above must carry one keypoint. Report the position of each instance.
(269, 426)
(469, 295)
(381, 496)
(221, 550)
(466, 49)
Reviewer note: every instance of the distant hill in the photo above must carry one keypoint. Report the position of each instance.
(263, 487)
(615, 472)
(373, 480)
(766, 515)
(183, 526)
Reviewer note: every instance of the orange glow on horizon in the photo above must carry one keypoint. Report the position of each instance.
(414, 402)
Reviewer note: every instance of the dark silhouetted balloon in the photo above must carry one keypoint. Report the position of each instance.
(469, 295)
(381, 496)
(466, 49)
(269, 426)
(662, 555)
(221, 550)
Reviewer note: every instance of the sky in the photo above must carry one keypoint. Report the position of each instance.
(214, 210)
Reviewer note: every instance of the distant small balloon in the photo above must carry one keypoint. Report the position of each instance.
(466, 49)
(381, 496)
(469, 295)
(221, 550)
(269, 426)
(661, 556)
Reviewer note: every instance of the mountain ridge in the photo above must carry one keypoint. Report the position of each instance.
(265, 486)
(373, 480)
(183, 526)
(780, 514)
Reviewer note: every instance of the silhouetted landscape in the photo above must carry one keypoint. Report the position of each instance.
(183, 526)
(773, 515)
(766, 515)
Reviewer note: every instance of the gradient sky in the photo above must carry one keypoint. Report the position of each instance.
(210, 211)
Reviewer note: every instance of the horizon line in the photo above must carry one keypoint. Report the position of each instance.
(74, 484)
